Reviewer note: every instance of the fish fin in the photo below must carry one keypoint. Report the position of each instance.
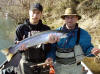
(7, 54)
(15, 60)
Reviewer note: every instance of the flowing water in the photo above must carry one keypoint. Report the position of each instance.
(7, 29)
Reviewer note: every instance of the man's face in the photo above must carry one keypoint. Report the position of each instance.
(71, 21)
(35, 16)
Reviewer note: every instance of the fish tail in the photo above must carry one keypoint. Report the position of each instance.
(15, 60)
(7, 53)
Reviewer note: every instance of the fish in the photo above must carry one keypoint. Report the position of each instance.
(13, 54)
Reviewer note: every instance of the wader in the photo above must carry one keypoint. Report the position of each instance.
(68, 61)
(25, 68)
(30, 57)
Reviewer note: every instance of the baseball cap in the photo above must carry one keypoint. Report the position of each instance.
(36, 6)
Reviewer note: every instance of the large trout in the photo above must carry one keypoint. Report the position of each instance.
(12, 54)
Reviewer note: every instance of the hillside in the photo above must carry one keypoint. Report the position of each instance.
(53, 9)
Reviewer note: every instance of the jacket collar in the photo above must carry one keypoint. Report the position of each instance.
(64, 28)
(28, 22)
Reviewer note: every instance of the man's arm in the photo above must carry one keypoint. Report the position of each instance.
(19, 35)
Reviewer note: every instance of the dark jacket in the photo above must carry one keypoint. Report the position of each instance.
(33, 54)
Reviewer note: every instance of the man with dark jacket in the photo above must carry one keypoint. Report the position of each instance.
(36, 54)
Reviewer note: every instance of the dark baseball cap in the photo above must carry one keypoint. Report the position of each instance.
(36, 6)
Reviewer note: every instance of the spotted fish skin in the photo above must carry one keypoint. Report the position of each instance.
(13, 55)
(41, 37)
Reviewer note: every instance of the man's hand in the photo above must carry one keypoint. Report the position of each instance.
(95, 51)
(49, 61)
(97, 58)
(53, 38)
(22, 47)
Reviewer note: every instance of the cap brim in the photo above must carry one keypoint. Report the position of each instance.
(63, 16)
(35, 9)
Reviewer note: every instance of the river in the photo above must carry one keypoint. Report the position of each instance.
(7, 29)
